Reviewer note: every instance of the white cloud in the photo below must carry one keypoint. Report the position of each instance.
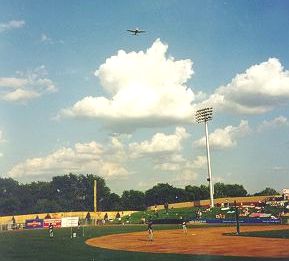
(176, 162)
(160, 143)
(13, 24)
(26, 86)
(12, 82)
(225, 138)
(83, 158)
(184, 178)
(165, 151)
(200, 162)
(219, 179)
(20, 95)
(1, 137)
(259, 89)
(144, 89)
(2, 140)
(280, 169)
(118, 149)
(45, 39)
(275, 123)
(171, 162)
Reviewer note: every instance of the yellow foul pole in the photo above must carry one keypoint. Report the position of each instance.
(95, 196)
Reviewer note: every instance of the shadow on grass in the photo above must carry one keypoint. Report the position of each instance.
(267, 234)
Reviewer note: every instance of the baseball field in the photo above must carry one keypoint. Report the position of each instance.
(130, 242)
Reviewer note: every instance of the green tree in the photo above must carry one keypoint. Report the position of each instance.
(113, 202)
(133, 200)
(193, 193)
(267, 192)
(10, 206)
(222, 190)
(180, 195)
(10, 203)
(204, 192)
(31, 193)
(46, 205)
(75, 192)
(163, 192)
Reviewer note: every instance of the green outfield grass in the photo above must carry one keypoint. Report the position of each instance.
(37, 246)
(272, 234)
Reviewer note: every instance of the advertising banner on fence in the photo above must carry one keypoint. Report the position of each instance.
(69, 222)
(33, 223)
(56, 222)
(245, 221)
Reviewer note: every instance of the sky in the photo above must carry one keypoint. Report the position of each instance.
(80, 94)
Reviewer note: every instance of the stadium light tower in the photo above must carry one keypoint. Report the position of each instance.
(205, 115)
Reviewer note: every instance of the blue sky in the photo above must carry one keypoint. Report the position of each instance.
(79, 94)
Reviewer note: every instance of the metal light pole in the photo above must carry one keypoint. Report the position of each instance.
(204, 115)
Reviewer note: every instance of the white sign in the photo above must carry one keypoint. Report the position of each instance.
(69, 222)
(285, 191)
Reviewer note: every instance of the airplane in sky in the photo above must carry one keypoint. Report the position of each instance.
(135, 31)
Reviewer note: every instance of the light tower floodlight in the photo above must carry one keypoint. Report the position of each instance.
(205, 115)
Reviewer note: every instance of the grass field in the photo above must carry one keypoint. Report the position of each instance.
(37, 246)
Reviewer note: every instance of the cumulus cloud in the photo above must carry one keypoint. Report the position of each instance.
(26, 86)
(166, 153)
(176, 162)
(13, 24)
(160, 143)
(13, 83)
(275, 123)
(1, 137)
(171, 162)
(2, 140)
(113, 159)
(184, 171)
(117, 148)
(200, 162)
(225, 138)
(184, 178)
(20, 95)
(45, 39)
(259, 89)
(280, 169)
(143, 88)
(82, 158)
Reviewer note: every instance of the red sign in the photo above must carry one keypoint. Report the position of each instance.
(56, 222)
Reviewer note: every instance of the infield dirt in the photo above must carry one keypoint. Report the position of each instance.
(199, 241)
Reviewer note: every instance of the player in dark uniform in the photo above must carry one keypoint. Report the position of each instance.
(150, 231)
(50, 229)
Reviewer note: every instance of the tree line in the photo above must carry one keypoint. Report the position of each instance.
(75, 193)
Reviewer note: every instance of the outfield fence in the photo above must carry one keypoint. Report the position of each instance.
(95, 218)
